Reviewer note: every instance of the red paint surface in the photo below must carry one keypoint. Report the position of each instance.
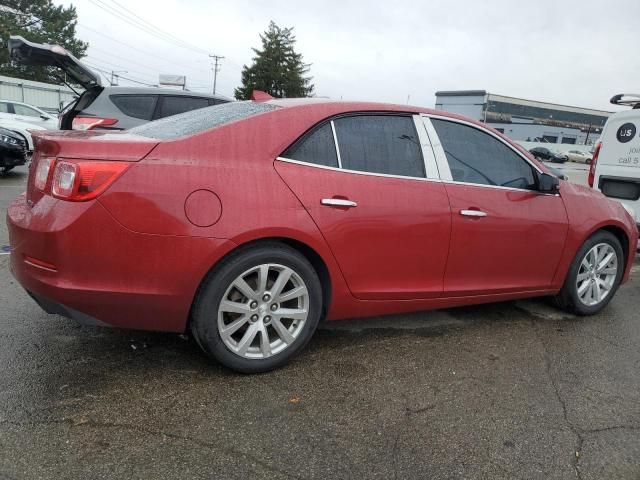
(133, 258)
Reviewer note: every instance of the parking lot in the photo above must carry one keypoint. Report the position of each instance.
(511, 390)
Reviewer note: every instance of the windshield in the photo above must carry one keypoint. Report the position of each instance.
(196, 121)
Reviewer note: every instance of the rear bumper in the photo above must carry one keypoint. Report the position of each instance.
(75, 259)
(55, 308)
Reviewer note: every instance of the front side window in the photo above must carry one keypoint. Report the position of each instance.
(385, 144)
(476, 157)
(316, 147)
(24, 110)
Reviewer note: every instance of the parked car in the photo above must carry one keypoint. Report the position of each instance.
(331, 210)
(23, 130)
(578, 156)
(615, 169)
(25, 113)
(543, 153)
(13, 150)
(108, 108)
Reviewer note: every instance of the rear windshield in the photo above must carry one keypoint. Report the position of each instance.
(196, 121)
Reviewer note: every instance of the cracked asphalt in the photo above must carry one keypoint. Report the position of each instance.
(504, 391)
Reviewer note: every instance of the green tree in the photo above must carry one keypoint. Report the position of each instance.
(277, 69)
(38, 21)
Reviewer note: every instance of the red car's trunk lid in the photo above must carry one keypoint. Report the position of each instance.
(83, 145)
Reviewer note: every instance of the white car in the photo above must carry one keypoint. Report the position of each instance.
(23, 112)
(615, 169)
(20, 118)
(578, 156)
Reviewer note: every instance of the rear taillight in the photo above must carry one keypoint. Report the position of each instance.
(89, 123)
(43, 169)
(79, 181)
(592, 167)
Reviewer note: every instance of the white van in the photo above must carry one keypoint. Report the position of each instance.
(615, 169)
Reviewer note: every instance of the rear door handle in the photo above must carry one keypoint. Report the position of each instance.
(473, 213)
(338, 202)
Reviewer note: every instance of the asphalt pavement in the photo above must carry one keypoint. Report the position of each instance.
(504, 391)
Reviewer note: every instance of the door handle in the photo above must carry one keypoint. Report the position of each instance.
(338, 202)
(473, 213)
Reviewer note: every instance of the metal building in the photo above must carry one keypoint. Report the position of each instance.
(43, 95)
(526, 120)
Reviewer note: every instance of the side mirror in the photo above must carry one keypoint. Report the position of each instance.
(548, 183)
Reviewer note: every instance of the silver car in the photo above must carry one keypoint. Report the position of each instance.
(100, 107)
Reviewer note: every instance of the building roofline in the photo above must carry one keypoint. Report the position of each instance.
(525, 101)
(521, 101)
(461, 93)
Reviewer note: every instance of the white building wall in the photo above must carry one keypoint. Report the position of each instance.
(469, 106)
(42, 95)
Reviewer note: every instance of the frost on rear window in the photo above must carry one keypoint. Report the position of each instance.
(196, 121)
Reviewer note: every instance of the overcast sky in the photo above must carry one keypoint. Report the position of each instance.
(569, 52)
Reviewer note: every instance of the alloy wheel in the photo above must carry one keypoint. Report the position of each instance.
(263, 311)
(597, 274)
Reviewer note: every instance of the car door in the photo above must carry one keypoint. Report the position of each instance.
(505, 236)
(385, 216)
(26, 114)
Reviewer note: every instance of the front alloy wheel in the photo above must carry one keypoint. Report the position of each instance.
(597, 274)
(594, 275)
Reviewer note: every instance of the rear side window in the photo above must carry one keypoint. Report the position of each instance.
(173, 105)
(477, 157)
(196, 121)
(4, 107)
(316, 147)
(385, 144)
(136, 106)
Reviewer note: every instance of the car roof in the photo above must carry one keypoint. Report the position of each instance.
(161, 91)
(347, 106)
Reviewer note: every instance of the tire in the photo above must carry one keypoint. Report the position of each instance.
(246, 333)
(6, 169)
(571, 298)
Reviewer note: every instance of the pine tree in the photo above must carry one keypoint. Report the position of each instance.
(38, 21)
(277, 69)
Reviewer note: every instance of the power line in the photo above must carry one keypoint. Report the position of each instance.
(151, 30)
(156, 28)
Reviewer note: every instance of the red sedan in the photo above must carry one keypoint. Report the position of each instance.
(247, 223)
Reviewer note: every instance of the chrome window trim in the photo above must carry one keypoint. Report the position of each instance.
(357, 172)
(438, 152)
(422, 179)
(500, 187)
(335, 144)
(428, 155)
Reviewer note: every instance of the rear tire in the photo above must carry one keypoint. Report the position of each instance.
(594, 276)
(258, 308)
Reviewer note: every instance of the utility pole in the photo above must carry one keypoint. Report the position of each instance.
(216, 69)
(114, 75)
